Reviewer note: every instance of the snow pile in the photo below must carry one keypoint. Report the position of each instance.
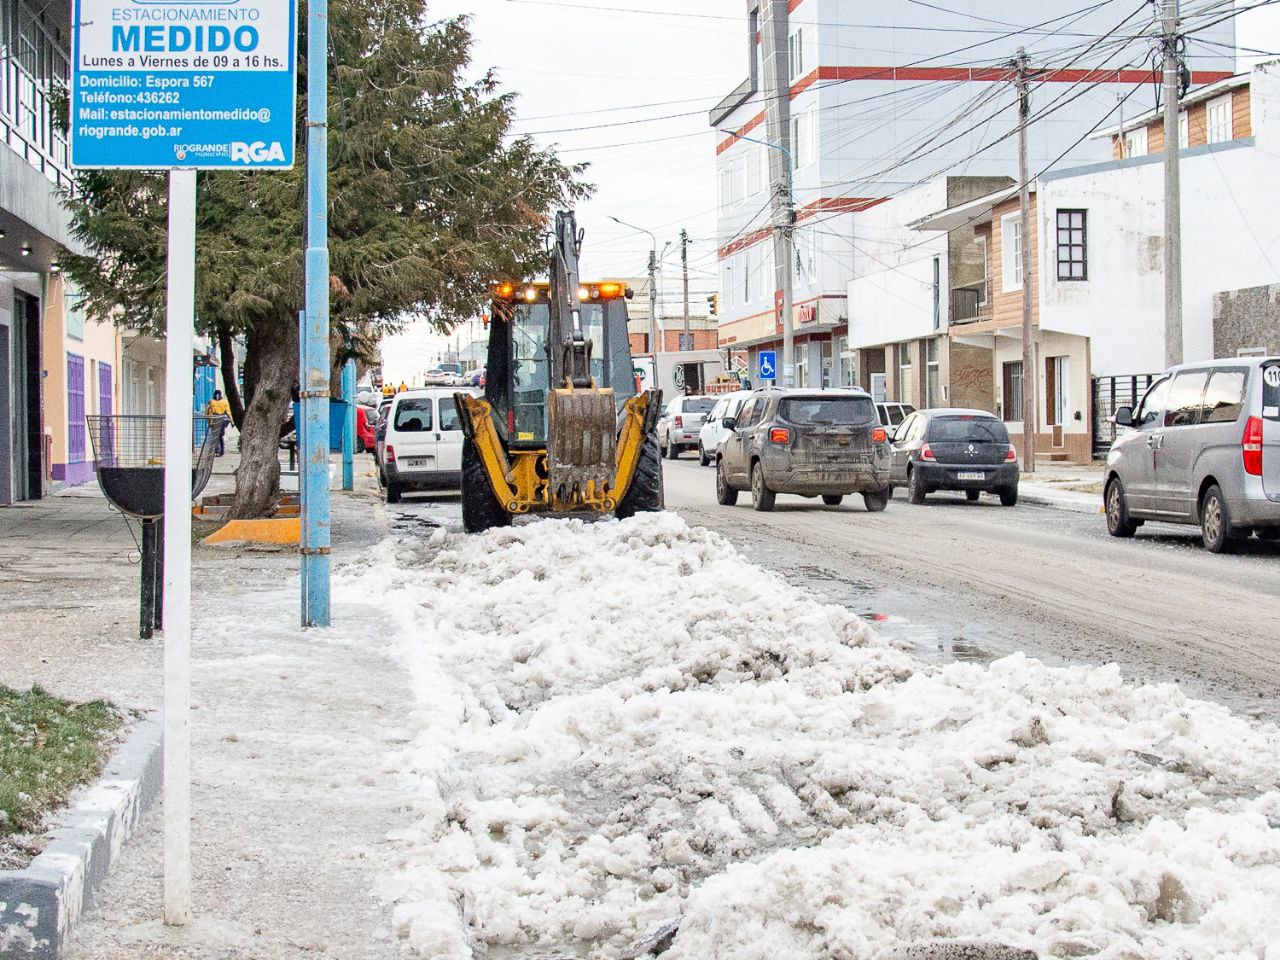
(624, 724)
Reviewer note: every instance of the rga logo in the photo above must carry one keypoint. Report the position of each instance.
(256, 152)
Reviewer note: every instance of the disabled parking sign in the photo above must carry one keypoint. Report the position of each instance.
(183, 84)
(768, 365)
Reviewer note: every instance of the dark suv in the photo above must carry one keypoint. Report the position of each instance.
(826, 443)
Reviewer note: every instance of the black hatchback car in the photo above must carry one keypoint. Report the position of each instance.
(826, 443)
(965, 450)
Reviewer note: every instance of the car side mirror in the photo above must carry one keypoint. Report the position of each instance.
(1123, 417)
(729, 423)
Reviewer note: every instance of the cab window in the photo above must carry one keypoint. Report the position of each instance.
(1151, 410)
(449, 419)
(413, 415)
(717, 412)
(747, 412)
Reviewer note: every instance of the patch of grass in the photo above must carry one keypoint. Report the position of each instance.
(48, 747)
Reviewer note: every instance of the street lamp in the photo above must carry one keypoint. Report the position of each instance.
(653, 289)
(788, 274)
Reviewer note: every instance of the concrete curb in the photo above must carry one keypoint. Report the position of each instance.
(40, 905)
(1060, 499)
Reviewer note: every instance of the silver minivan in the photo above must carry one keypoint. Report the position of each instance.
(1203, 447)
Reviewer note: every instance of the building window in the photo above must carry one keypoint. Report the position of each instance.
(730, 183)
(804, 137)
(756, 167)
(748, 270)
(1013, 391)
(1184, 130)
(75, 311)
(933, 375)
(1218, 119)
(1135, 143)
(796, 49)
(1072, 264)
(727, 284)
(1011, 251)
(904, 372)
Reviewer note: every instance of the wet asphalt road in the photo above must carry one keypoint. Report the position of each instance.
(977, 581)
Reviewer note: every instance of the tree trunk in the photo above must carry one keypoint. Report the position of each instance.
(273, 350)
(231, 382)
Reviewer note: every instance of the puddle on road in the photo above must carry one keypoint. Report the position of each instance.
(925, 640)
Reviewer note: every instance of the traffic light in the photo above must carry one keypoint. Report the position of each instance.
(713, 304)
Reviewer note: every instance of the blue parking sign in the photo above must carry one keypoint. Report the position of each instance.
(768, 365)
(183, 84)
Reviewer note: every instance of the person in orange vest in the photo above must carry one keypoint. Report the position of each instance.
(402, 388)
(388, 390)
(218, 407)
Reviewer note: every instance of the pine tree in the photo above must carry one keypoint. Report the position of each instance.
(431, 199)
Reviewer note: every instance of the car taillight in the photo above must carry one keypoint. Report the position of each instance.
(878, 435)
(1011, 455)
(679, 422)
(779, 435)
(391, 453)
(926, 453)
(1251, 447)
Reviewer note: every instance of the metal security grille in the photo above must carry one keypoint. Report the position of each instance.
(75, 409)
(1110, 393)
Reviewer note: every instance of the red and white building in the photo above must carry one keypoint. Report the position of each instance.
(872, 100)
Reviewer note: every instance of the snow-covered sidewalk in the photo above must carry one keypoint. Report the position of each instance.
(626, 728)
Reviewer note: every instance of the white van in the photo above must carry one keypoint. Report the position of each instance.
(422, 449)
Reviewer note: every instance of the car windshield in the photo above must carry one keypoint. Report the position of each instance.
(828, 410)
(698, 404)
(967, 429)
(413, 415)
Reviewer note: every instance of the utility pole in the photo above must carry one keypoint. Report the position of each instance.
(653, 306)
(775, 33)
(1172, 189)
(1030, 377)
(684, 267)
(313, 463)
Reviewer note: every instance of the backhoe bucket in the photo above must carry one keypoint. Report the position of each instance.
(582, 446)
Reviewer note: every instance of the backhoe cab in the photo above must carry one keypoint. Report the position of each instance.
(561, 427)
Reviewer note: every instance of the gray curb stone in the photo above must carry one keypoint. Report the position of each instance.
(40, 905)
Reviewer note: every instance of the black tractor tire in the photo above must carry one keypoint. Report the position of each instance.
(915, 487)
(1220, 535)
(972, 495)
(703, 459)
(726, 495)
(1119, 523)
(481, 510)
(833, 499)
(393, 492)
(646, 493)
(762, 498)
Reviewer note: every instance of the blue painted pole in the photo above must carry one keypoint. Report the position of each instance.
(349, 425)
(313, 464)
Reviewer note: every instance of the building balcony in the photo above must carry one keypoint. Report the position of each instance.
(970, 304)
(35, 68)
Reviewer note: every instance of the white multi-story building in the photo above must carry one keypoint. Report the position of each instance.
(868, 101)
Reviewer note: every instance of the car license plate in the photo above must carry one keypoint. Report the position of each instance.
(970, 475)
(412, 463)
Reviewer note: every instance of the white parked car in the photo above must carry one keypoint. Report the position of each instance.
(422, 448)
(713, 430)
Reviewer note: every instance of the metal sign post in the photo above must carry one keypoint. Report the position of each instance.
(349, 425)
(181, 86)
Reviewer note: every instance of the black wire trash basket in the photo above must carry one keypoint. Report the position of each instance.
(128, 457)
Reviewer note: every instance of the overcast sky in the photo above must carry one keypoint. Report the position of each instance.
(651, 79)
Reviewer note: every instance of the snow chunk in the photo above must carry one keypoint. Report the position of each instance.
(621, 723)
